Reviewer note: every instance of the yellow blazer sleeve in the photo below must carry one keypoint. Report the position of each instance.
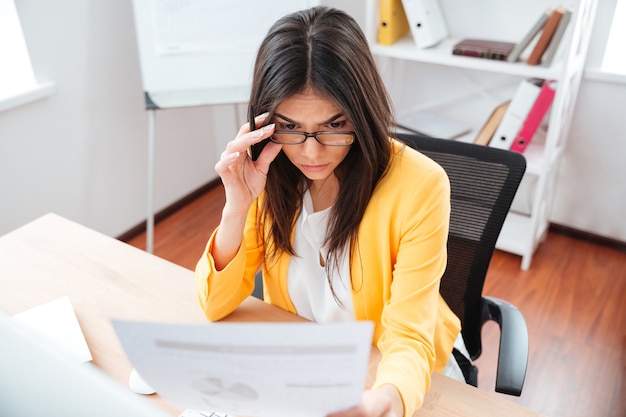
(221, 292)
(402, 247)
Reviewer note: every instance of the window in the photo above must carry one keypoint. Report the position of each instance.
(614, 60)
(16, 72)
(17, 79)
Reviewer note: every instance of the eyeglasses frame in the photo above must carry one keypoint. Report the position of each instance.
(313, 135)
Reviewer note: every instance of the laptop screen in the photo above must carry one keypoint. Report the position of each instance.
(35, 381)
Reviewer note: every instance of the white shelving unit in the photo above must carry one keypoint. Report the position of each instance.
(467, 89)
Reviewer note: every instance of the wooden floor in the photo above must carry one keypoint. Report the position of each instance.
(573, 298)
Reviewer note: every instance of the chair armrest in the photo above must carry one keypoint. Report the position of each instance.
(513, 352)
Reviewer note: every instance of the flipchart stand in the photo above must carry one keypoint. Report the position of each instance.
(192, 54)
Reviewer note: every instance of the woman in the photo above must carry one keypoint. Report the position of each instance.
(345, 223)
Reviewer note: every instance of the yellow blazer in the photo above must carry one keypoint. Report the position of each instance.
(396, 269)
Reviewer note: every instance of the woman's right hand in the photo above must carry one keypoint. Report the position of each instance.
(243, 178)
(243, 181)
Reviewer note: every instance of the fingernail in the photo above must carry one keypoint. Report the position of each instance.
(232, 156)
(263, 116)
(268, 127)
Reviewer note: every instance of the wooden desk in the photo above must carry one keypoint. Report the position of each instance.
(104, 278)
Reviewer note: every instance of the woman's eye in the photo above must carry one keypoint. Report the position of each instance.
(287, 126)
(337, 125)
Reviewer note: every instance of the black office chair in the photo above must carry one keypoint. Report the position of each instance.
(483, 182)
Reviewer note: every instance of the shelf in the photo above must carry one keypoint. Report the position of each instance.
(441, 54)
(514, 237)
(473, 110)
(467, 89)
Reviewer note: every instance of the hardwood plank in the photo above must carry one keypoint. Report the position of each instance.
(182, 236)
(574, 301)
(573, 298)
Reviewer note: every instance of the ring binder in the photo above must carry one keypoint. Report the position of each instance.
(426, 21)
(393, 22)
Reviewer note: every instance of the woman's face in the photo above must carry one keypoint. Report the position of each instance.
(311, 112)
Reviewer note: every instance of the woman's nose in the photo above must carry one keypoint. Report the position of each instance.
(311, 147)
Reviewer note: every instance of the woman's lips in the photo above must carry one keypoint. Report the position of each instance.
(314, 168)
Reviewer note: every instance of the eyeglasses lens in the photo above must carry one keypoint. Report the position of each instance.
(331, 139)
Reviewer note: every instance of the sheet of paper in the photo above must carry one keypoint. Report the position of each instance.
(252, 369)
(55, 323)
(196, 413)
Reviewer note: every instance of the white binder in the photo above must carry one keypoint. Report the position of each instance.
(426, 21)
(521, 104)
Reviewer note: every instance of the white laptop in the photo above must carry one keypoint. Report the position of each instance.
(35, 381)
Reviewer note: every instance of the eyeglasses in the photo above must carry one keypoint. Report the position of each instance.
(325, 138)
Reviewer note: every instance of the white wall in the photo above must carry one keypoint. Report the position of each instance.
(82, 152)
(591, 186)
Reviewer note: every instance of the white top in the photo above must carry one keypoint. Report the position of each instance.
(307, 283)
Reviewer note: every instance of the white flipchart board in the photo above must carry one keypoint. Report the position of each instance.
(201, 52)
(197, 53)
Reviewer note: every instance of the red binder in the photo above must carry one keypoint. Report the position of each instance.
(535, 116)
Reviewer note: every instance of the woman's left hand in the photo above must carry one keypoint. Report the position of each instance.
(382, 402)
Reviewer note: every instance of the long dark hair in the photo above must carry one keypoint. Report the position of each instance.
(324, 49)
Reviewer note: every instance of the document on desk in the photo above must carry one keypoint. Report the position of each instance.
(56, 325)
(252, 369)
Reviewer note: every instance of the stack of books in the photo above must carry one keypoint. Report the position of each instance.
(547, 32)
(545, 36)
(483, 48)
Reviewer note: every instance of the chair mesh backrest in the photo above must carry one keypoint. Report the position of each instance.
(483, 182)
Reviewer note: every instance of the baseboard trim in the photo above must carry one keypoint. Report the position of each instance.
(169, 210)
(589, 237)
